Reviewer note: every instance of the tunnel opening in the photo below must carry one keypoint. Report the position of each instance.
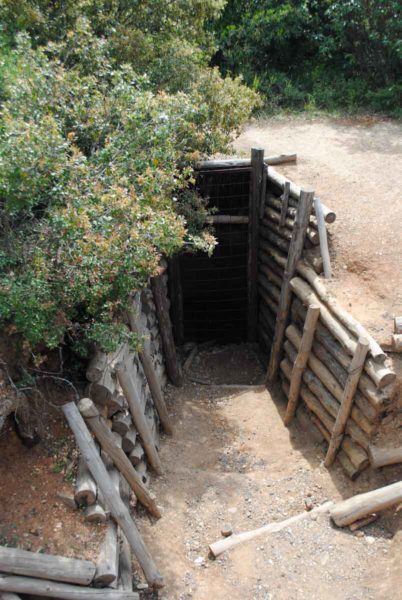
(215, 289)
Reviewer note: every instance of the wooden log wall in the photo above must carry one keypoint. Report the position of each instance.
(323, 382)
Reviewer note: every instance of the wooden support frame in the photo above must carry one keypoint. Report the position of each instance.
(355, 371)
(173, 366)
(300, 363)
(295, 251)
(322, 231)
(256, 184)
(117, 507)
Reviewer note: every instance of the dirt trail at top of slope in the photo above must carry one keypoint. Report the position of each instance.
(355, 167)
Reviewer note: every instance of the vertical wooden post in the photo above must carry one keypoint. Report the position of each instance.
(322, 231)
(349, 391)
(173, 366)
(285, 202)
(310, 323)
(176, 299)
(295, 251)
(256, 184)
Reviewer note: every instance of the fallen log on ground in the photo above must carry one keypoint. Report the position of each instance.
(355, 508)
(60, 591)
(381, 457)
(117, 507)
(45, 566)
(107, 565)
(234, 540)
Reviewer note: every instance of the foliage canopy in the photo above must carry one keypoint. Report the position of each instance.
(105, 105)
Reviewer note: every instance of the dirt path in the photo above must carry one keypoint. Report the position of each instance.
(355, 167)
(233, 461)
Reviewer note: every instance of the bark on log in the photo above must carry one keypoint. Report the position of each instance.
(227, 163)
(266, 260)
(275, 203)
(323, 240)
(107, 441)
(60, 591)
(377, 398)
(284, 201)
(45, 566)
(344, 317)
(152, 379)
(129, 440)
(271, 276)
(125, 567)
(139, 419)
(295, 251)
(268, 301)
(301, 361)
(355, 454)
(234, 540)
(345, 408)
(173, 367)
(327, 400)
(9, 596)
(380, 374)
(273, 221)
(85, 488)
(326, 377)
(279, 180)
(355, 508)
(274, 239)
(117, 507)
(381, 457)
(121, 422)
(96, 513)
(107, 565)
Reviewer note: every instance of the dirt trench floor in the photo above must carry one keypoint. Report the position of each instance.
(232, 462)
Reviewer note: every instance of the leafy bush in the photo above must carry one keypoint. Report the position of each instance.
(325, 54)
(95, 168)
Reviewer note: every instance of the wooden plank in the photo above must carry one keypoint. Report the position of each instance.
(173, 366)
(295, 251)
(60, 591)
(45, 566)
(108, 443)
(176, 299)
(256, 180)
(345, 409)
(152, 379)
(301, 361)
(117, 507)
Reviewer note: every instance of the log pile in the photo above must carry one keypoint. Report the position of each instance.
(322, 371)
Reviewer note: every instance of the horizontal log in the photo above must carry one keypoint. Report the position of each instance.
(228, 163)
(46, 566)
(355, 508)
(60, 591)
(274, 239)
(344, 317)
(270, 275)
(107, 565)
(121, 422)
(380, 374)
(226, 219)
(266, 260)
(294, 190)
(377, 397)
(272, 215)
(85, 492)
(381, 457)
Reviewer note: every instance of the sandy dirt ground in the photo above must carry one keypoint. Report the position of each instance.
(354, 165)
(233, 462)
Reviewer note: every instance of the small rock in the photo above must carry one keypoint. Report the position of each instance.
(226, 530)
(370, 539)
(359, 534)
(199, 561)
(308, 503)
